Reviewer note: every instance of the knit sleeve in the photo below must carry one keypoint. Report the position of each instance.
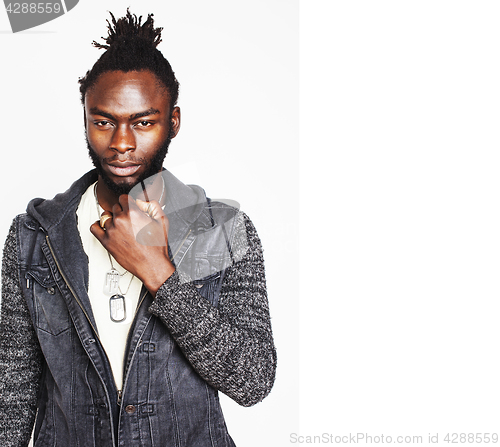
(20, 355)
(230, 346)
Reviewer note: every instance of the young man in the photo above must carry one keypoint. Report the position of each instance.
(129, 300)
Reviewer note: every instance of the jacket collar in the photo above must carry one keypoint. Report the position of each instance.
(186, 203)
(186, 209)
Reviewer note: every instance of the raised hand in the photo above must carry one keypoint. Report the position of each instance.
(136, 235)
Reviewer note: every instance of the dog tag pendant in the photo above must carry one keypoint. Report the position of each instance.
(111, 282)
(117, 311)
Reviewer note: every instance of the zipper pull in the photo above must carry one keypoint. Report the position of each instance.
(119, 397)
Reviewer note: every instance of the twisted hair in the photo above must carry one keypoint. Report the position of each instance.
(131, 46)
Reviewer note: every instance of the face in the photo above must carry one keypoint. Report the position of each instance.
(129, 127)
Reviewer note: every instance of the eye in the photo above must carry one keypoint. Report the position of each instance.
(144, 123)
(102, 123)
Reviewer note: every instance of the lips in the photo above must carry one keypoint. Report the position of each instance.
(123, 169)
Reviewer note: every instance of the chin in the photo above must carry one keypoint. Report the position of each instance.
(119, 187)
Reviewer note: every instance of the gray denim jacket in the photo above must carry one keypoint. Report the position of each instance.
(164, 400)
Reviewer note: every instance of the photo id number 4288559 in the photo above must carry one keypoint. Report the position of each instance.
(467, 438)
(33, 8)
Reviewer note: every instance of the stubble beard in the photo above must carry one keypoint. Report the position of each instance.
(153, 166)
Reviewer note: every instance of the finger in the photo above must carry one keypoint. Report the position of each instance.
(106, 216)
(123, 203)
(98, 232)
(142, 205)
(120, 206)
(152, 209)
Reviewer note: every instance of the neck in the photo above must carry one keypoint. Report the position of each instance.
(152, 191)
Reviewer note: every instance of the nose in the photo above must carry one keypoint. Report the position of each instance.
(123, 139)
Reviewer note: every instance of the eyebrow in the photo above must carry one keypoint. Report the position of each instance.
(150, 111)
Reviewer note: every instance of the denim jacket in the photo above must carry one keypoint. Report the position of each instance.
(164, 400)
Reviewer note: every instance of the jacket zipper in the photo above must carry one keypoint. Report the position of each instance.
(120, 392)
(88, 318)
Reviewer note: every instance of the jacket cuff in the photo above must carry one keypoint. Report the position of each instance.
(181, 308)
(165, 294)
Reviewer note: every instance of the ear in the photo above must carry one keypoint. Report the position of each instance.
(175, 122)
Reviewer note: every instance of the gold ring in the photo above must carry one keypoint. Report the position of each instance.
(104, 218)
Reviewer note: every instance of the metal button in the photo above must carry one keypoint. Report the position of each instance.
(129, 409)
(51, 290)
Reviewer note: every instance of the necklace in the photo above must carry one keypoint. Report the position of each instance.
(117, 307)
(162, 190)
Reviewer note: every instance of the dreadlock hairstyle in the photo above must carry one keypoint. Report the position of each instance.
(131, 46)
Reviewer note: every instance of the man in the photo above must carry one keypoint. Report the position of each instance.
(129, 300)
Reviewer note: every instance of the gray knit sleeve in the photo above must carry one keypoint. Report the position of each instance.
(20, 355)
(230, 346)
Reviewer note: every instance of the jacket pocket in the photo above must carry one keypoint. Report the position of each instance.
(209, 287)
(51, 311)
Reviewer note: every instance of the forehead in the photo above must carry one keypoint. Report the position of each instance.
(128, 92)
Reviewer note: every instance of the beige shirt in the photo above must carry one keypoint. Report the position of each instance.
(112, 335)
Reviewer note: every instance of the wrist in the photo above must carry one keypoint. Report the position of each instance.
(157, 276)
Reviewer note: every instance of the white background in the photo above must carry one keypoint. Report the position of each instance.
(399, 187)
(400, 324)
(237, 63)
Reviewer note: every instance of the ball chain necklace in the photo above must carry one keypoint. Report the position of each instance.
(117, 307)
